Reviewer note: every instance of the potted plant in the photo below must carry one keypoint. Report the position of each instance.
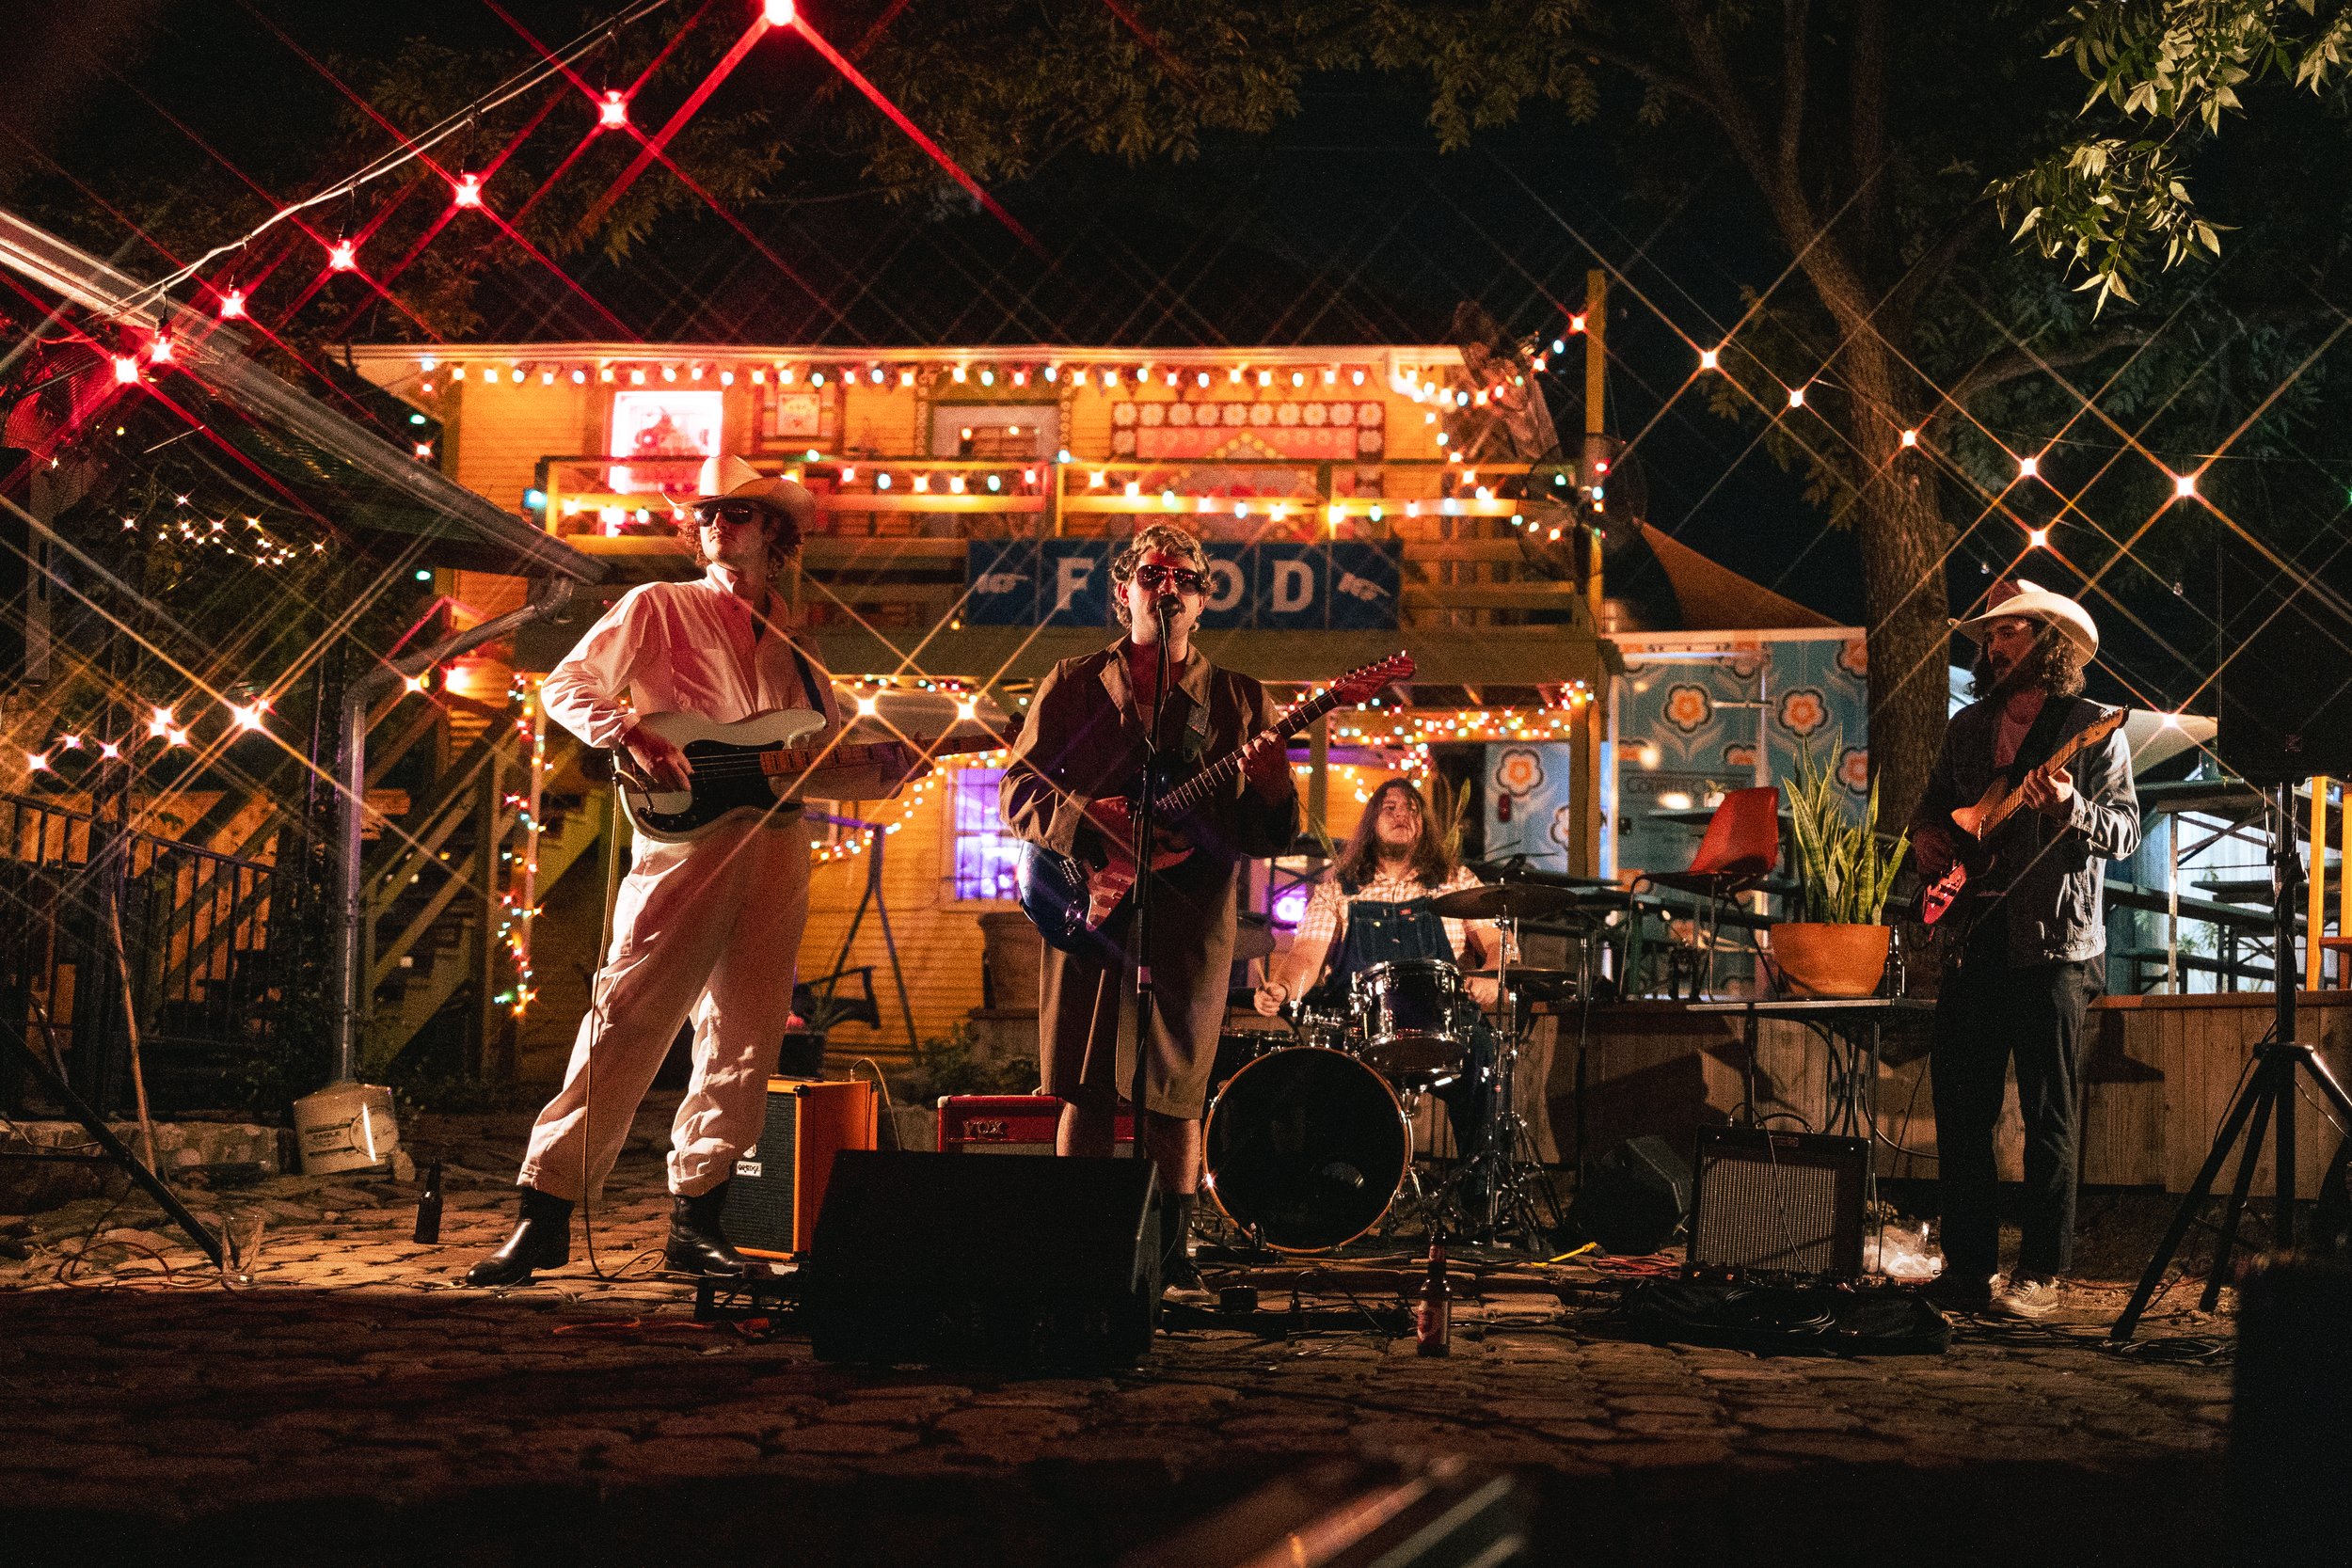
(1844, 872)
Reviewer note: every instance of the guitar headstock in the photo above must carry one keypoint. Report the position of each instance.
(1360, 685)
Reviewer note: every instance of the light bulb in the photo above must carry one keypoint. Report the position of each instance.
(613, 113)
(342, 256)
(780, 13)
(232, 305)
(468, 192)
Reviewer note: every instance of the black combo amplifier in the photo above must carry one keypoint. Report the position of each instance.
(1783, 1207)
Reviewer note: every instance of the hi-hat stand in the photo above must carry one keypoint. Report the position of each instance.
(2266, 1102)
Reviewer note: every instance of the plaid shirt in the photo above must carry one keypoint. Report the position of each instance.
(1326, 919)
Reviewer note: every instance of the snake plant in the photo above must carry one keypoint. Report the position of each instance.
(1842, 866)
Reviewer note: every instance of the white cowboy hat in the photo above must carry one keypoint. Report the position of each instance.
(729, 478)
(2039, 604)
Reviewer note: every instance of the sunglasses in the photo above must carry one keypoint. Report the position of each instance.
(1183, 578)
(729, 511)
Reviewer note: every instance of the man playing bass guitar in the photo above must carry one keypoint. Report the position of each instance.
(708, 928)
(2026, 947)
(1079, 756)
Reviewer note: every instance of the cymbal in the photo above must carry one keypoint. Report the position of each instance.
(1502, 901)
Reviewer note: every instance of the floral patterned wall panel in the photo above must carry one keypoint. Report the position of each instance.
(1681, 740)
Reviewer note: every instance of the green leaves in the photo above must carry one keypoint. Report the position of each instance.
(2106, 204)
(1843, 875)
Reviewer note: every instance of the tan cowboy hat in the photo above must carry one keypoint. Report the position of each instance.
(2038, 604)
(731, 479)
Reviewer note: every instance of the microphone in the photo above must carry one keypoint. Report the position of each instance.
(1168, 605)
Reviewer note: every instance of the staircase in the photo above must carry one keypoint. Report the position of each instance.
(433, 889)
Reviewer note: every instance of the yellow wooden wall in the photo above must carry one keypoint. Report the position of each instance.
(939, 938)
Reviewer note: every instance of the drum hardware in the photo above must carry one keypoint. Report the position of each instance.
(1518, 1200)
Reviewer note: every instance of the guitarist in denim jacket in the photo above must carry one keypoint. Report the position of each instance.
(2024, 948)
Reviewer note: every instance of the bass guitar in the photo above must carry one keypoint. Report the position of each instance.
(1059, 893)
(745, 768)
(2001, 800)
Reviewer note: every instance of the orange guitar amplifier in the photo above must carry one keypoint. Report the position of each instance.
(1007, 1124)
(779, 1183)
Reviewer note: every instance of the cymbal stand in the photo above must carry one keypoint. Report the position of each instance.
(1517, 1196)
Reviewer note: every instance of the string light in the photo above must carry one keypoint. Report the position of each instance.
(232, 305)
(342, 256)
(2183, 486)
(1710, 359)
(468, 192)
(613, 113)
(1911, 437)
(2028, 466)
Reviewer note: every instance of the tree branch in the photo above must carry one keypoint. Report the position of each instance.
(1923, 274)
(1794, 79)
(2015, 364)
(1867, 119)
(1641, 70)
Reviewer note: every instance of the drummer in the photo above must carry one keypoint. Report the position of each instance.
(1373, 908)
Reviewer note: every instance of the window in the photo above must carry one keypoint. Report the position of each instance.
(986, 855)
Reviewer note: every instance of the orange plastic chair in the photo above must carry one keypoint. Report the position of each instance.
(1740, 850)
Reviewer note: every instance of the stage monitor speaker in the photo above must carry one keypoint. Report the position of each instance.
(2284, 689)
(779, 1183)
(2291, 1414)
(1633, 1200)
(1783, 1207)
(943, 1260)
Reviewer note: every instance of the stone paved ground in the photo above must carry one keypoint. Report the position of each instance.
(352, 1405)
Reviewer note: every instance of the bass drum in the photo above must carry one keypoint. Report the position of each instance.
(1307, 1148)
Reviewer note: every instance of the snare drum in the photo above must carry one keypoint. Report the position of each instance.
(1306, 1148)
(1416, 1020)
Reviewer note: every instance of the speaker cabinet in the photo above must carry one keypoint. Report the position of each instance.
(779, 1185)
(945, 1260)
(1782, 1207)
(1633, 1200)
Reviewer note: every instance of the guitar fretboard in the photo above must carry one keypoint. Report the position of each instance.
(1197, 788)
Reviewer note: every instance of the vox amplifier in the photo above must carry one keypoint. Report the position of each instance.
(1007, 1124)
(779, 1183)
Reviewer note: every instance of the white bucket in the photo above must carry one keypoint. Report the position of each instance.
(345, 1126)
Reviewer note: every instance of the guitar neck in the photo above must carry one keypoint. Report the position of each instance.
(1195, 789)
(2065, 753)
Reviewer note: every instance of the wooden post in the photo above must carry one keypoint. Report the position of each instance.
(2343, 884)
(1319, 775)
(1585, 862)
(485, 929)
(2317, 908)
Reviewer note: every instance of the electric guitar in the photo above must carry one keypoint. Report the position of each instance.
(1059, 893)
(2000, 800)
(745, 767)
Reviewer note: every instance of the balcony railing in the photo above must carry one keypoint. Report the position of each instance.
(1477, 547)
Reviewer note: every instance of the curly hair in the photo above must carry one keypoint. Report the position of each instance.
(2056, 665)
(1167, 539)
(1432, 861)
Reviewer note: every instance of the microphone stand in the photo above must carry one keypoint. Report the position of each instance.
(1146, 826)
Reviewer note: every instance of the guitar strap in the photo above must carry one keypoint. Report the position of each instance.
(2042, 739)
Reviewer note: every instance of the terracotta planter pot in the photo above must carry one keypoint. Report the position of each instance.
(1819, 959)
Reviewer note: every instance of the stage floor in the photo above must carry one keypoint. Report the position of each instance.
(352, 1406)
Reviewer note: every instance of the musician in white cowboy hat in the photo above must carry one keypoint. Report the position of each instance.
(706, 929)
(2024, 948)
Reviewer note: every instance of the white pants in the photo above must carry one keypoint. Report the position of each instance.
(710, 929)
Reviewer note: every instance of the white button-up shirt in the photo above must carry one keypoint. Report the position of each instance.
(680, 647)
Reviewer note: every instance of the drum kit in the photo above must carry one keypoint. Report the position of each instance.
(1310, 1136)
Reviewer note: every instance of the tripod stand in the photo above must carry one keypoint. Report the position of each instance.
(2267, 1098)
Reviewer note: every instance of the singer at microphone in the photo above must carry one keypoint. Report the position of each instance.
(1068, 793)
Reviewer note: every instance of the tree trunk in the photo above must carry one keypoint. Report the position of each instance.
(1905, 543)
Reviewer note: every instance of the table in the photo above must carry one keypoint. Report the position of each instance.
(1853, 1097)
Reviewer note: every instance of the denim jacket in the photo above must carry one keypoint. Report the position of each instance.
(2054, 902)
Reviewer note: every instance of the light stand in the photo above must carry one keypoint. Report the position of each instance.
(2268, 1096)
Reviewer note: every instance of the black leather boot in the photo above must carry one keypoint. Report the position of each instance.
(542, 1240)
(698, 1242)
(1176, 1275)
